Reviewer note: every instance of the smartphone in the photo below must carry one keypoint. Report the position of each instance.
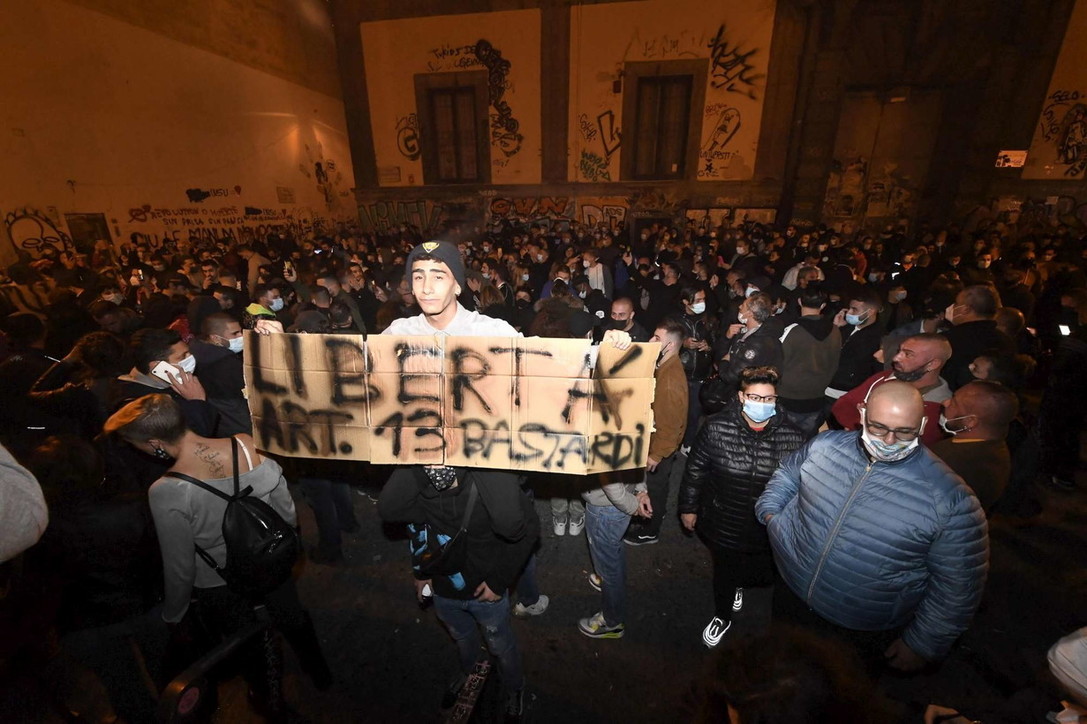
(166, 372)
(1065, 329)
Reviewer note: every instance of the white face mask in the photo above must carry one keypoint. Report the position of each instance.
(540, 257)
(524, 277)
(188, 364)
(750, 290)
(586, 263)
(884, 452)
(236, 345)
(583, 294)
(698, 308)
(953, 430)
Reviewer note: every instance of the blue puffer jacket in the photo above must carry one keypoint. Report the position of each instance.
(875, 546)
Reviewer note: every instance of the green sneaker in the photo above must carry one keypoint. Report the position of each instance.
(596, 628)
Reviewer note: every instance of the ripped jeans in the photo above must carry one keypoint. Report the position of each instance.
(463, 619)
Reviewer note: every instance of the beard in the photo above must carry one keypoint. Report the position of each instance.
(911, 376)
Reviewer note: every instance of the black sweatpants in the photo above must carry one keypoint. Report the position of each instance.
(733, 569)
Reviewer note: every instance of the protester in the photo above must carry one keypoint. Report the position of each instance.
(735, 453)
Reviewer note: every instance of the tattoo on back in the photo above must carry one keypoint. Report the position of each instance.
(211, 458)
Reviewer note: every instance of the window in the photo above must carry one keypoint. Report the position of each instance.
(663, 114)
(662, 133)
(453, 127)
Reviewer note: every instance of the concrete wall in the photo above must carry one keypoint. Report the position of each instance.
(107, 120)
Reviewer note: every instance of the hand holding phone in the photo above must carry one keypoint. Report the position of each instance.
(166, 372)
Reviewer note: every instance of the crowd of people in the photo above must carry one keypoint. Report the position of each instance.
(840, 414)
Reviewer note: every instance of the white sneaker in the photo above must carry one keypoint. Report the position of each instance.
(576, 526)
(560, 526)
(534, 610)
(596, 581)
(714, 632)
(738, 602)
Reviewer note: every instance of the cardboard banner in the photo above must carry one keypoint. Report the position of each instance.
(510, 403)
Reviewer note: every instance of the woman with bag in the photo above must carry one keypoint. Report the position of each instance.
(735, 453)
(188, 504)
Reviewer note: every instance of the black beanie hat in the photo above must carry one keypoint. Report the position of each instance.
(444, 252)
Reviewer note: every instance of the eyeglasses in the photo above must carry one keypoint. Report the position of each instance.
(761, 398)
(878, 430)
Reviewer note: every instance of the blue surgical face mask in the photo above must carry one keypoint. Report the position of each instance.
(236, 344)
(276, 304)
(698, 308)
(856, 319)
(759, 411)
(883, 451)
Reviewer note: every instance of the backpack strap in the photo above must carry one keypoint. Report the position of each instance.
(234, 459)
(473, 495)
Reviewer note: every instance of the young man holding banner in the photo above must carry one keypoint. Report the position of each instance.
(500, 531)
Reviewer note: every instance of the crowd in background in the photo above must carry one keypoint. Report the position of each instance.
(834, 315)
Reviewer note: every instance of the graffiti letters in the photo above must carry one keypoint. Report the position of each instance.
(525, 404)
(407, 136)
(610, 136)
(383, 216)
(588, 132)
(731, 68)
(593, 168)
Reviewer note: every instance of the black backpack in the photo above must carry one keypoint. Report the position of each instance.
(261, 547)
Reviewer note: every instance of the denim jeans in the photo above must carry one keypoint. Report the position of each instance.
(604, 527)
(332, 510)
(463, 619)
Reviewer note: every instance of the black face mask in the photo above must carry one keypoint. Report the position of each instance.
(441, 478)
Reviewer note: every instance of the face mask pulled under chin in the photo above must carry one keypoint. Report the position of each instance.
(946, 426)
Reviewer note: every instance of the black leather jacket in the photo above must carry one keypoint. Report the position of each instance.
(727, 470)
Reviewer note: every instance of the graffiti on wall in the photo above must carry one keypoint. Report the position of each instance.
(1029, 215)
(731, 68)
(384, 216)
(504, 127)
(31, 231)
(715, 151)
(548, 211)
(593, 168)
(1064, 126)
(157, 225)
(407, 136)
(845, 187)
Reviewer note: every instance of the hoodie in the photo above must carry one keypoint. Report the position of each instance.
(810, 350)
(502, 529)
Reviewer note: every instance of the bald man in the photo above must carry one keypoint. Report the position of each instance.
(977, 417)
(878, 543)
(622, 318)
(919, 361)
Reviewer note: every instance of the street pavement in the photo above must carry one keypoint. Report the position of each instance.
(392, 659)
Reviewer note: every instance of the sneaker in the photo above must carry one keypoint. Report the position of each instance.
(714, 632)
(452, 692)
(595, 628)
(641, 540)
(596, 581)
(534, 610)
(576, 526)
(738, 602)
(515, 706)
(560, 526)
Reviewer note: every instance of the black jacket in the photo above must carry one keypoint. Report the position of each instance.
(727, 471)
(856, 363)
(761, 348)
(501, 533)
